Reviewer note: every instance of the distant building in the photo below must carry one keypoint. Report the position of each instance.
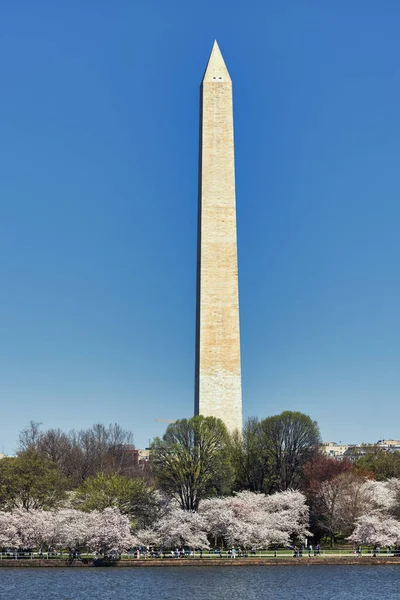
(140, 457)
(354, 451)
(335, 450)
(390, 445)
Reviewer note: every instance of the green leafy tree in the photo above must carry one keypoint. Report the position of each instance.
(250, 458)
(132, 496)
(291, 439)
(192, 460)
(30, 481)
(271, 453)
(382, 463)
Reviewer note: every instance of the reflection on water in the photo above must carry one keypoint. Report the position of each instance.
(202, 583)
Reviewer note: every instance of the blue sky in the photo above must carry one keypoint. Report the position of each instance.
(98, 198)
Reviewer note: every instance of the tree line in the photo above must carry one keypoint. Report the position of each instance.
(195, 460)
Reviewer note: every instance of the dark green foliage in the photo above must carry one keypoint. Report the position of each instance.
(30, 481)
(250, 458)
(271, 455)
(192, 460)
(132, 496)
(292, 439)
(382, 463)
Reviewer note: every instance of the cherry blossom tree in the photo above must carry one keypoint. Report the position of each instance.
(35, 527)
(252, 519)
(383, 495)
(8, 531)
(109, 532)
(220, 518)
(106, 532)
(247, 519)
(178, 528)
(370, 509)
(377, 530)
(71, 529)
(342, 500)
(148, 537)
(378, 525)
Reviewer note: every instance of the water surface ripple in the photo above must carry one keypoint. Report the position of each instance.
(202, 583)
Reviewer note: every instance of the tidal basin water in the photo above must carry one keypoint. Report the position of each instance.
(202, 583)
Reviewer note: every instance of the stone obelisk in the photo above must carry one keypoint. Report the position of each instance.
(218, 387)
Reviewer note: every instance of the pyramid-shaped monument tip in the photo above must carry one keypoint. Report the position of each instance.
(216, 70)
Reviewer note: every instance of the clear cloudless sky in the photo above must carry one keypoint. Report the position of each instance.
(98, 193)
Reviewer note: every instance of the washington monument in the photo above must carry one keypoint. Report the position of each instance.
(218, 385)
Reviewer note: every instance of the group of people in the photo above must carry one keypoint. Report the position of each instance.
(298, 550)
(182, 552)
(234, 552)
(51, 551)
(376, 550)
